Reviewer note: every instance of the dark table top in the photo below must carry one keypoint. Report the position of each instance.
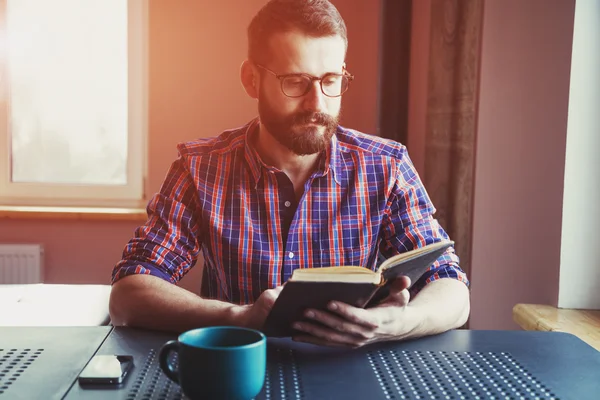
(43, 363)
(457, 364)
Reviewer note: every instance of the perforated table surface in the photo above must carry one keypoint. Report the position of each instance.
(454, 365)
(43, 362)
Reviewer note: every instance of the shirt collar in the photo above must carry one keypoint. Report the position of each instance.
(331, 161)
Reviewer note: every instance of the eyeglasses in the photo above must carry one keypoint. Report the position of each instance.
(298, 85)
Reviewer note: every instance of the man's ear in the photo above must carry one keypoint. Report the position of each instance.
(249, 77)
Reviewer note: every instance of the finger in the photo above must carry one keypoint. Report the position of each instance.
(399, 294)
(398, 298)
(272, 294)
(340, 324)
(269, 298)
(359, 316)
(278, 289)
(401, 283)
(326, 334)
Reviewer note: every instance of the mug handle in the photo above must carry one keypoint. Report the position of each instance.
(163, 356)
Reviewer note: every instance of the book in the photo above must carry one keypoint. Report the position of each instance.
(357, 286)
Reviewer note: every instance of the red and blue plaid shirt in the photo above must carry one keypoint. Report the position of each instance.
(365, 200)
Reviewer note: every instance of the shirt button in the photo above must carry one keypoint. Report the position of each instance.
(287, 204)
(291, 255)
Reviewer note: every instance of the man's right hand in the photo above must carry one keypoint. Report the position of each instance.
(146, 301)
(254, 315)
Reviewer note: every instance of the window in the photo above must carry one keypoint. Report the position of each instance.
(72, 102)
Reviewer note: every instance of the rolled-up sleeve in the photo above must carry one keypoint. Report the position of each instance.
(409, 224)
(168, 245)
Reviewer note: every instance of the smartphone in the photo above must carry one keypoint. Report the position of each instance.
(106, 370)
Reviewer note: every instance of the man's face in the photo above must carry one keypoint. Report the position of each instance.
(305, 124)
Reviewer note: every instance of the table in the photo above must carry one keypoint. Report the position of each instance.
(43, 363)
(461, 363)
(585, 324)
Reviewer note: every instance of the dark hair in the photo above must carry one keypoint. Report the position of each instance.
(315, 18)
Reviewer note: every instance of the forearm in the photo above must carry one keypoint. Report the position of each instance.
(440, 306)
(149, 302)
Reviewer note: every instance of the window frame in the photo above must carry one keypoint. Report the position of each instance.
(132, 194)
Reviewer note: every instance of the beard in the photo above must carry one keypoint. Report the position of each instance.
(299, 132)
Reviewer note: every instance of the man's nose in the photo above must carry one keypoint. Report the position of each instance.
(314, 100)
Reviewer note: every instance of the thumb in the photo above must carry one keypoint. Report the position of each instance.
(401, 283)
(270, 295)
(399, 291)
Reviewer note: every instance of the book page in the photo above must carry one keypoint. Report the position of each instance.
(404, 257)
(336, 274)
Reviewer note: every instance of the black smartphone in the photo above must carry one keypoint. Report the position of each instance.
(106, 370)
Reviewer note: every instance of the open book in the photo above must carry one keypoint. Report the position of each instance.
(357, 286)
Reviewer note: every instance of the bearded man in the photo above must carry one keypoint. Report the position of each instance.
(290, 189)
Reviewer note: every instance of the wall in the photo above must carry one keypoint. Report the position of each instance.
(196, 49)
(580, 257)
(524, 91)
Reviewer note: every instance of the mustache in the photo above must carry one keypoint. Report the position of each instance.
(309, 117)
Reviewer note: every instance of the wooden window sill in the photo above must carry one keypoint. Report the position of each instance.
(73, 213)
(585, 324)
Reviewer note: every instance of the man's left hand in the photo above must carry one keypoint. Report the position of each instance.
(345, 325)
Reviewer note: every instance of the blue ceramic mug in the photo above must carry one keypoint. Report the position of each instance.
(217, 362)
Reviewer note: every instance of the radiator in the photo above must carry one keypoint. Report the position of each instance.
(21, 263)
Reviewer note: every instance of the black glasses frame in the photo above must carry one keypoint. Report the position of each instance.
(281, 78)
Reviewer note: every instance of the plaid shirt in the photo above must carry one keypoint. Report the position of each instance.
(221, 199)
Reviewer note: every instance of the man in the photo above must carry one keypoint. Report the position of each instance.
(291, 189)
